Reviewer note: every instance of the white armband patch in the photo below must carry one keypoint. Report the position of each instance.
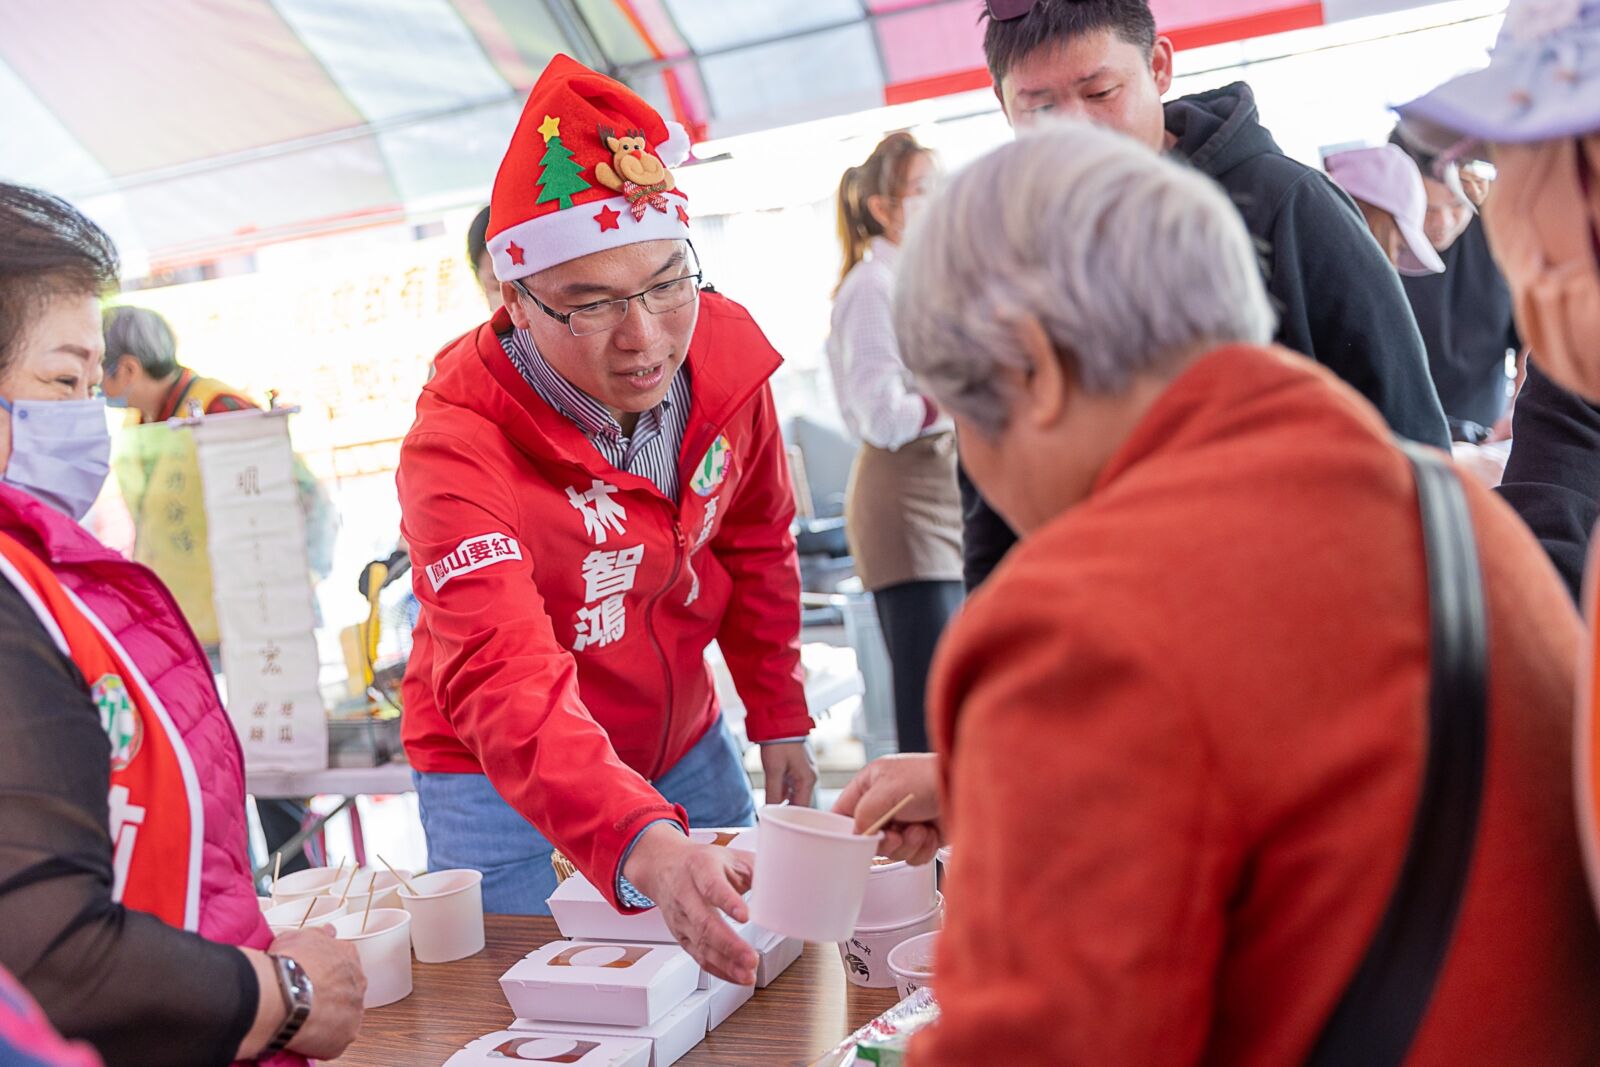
(473, 554)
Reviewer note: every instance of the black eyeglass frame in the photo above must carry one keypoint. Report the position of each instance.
(565, 317)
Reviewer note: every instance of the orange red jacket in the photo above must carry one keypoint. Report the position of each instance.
(1183, 729)
(567, 606)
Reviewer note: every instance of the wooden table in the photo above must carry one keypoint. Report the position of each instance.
(795, 1020)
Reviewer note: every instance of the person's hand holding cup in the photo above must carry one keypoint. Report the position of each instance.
(915, 834)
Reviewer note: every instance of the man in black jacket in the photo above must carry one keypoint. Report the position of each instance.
(1337, 298)
(1553, 476)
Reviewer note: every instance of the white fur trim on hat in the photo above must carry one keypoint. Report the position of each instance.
(675, 149)
(562, 236)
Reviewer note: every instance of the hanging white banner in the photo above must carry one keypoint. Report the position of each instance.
(262, 589)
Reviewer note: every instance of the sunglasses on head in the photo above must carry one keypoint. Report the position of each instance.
(1006, 10)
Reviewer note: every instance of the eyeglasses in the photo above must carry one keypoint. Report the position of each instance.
(1006, 10)
(609, 314)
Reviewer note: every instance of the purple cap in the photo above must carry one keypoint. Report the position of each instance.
(1542, 81)
(1386, 178)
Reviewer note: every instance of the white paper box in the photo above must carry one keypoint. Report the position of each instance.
(493, 1050)
(777, 953)
(582, 913)
(724, 998)
(742, 838)
(671, 1037)
(750, 934)
(589, 982)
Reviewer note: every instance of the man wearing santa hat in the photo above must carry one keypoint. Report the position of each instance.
(593, 491)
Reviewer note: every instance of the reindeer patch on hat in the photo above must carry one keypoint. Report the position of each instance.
(634, 171)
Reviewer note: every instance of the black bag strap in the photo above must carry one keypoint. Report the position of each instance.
(1378, 1015)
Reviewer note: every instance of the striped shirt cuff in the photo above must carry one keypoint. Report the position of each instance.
(626, 892)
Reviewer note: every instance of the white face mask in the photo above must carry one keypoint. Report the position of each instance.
(911, 207)
(60, 451)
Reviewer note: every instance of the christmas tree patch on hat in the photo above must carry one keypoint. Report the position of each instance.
(587, 170)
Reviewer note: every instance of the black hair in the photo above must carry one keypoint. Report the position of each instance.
(478, 239)
(47, 248)
(1005, 44)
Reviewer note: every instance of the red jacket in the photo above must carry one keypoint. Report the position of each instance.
(567, 606)
(1183, 728)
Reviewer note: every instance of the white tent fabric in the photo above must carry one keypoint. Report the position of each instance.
(192, 128)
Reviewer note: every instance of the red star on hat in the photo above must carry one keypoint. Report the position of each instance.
(515, 251)
(608, 219)
(683, 214)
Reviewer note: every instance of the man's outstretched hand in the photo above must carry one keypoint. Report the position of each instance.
(694, 885)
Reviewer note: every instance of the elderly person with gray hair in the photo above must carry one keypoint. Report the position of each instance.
(1181, 733)
(142, 371)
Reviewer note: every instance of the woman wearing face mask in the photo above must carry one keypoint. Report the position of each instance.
(1534, 112)
(126, 904)
(903, 509)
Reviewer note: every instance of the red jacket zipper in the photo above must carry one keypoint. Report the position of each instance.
(661, 653)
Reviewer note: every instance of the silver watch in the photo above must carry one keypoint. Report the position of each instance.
(295, 984)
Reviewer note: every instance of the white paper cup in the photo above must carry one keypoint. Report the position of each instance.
(385, 951)
(811, 870)
(866, 952)
(385, 893)
(896, 893)
(287, 916)
(911, 963)
(446, 915)
(307, 883)
(266, 904)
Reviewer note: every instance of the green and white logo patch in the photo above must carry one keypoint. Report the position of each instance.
(713, 468)
(118, 719)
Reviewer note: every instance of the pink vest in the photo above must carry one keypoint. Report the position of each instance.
(139, 611)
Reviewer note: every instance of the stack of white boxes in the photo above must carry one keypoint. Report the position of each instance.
(619, 981)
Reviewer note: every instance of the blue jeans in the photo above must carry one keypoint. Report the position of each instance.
(469, 825)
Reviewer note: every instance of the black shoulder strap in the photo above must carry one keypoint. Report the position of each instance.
(1378, 1015)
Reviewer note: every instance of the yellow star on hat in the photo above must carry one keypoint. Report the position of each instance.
(550, 127)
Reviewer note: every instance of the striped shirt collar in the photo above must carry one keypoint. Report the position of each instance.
(590, 415)
(651, 453)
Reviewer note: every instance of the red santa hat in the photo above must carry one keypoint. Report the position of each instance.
(587, 170)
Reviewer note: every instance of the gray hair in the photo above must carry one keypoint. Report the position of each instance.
(1130, 261)
(142, 334)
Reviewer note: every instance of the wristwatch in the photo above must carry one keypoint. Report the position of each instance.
(296, 986)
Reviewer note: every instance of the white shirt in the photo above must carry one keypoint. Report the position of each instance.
(880, 404)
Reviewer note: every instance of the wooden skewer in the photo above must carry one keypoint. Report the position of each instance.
(277, 865)
(403, 880)
(372, 887)
(310, 906)
(883, 820)
(353, 872)
(340, 871)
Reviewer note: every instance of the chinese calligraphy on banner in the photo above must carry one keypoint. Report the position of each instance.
(263, 590)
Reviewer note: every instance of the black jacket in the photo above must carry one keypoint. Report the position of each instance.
(1552, 478)
(1338, 299)
(143, 993)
